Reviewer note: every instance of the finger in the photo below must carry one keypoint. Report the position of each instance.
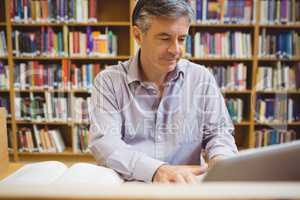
(199, 170)
(179, 179)
(190, 178)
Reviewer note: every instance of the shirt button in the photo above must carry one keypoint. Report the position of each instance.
(159, 138)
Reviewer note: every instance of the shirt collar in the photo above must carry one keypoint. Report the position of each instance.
(134, 71)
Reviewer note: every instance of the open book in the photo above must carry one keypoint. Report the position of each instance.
(54, 172)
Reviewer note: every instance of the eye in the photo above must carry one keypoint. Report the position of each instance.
(181, 40)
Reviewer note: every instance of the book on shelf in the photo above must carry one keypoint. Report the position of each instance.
(49, 173)
(43, 11)
(4, 76)
(9, 140)
(81, 139)
(45, 42)
(277, 110)
(224, 11)
(40, 140)
(3, 45)
(82, 75)
(266, 137)
(93, 43)
(279, 77)
(230, 77)
(234, 44)
(279, 12)
(38, 75)
(4, 102)
(235, 109)
(81, 109)
(282, 43)
(47, 107)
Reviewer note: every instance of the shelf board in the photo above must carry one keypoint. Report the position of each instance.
(243, 123)
(236, 91)
(219, 59)
(3, 57)
(43, 90)
(280, 26)
(279, 92)
(278, 123)
(42, 122)
(120, 57)
(81, 91)
(4, 90)
(295, 58)
(81, 123)
(2, 24)
(30, 24)
(40, 58)
(104, 23)
(68, 152)
(222, 25)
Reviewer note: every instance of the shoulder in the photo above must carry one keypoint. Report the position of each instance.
(113, 74)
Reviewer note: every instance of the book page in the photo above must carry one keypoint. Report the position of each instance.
(42, 173)
(84, 173)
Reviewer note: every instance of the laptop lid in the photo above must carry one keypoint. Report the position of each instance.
(279, 162)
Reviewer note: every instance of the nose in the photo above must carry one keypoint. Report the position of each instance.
(174, 47)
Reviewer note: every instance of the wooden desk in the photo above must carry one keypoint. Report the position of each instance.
(205, 191)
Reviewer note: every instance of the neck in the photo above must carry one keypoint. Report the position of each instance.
(149, 73)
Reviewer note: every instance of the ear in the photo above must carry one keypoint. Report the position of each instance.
(137, 34)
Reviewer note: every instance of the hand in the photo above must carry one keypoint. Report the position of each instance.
(178, 173)
(214, 160)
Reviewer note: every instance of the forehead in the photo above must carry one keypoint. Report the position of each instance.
(178, 26)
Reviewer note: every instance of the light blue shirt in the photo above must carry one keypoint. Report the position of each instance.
(134, 131)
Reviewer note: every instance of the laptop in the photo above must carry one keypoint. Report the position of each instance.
(280, 162)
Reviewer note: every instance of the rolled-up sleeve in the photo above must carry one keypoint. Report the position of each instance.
(218, 128)
(106, 142)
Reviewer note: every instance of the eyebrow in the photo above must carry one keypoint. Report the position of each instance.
(168, 35)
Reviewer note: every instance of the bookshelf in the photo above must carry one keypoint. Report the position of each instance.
(114, 15)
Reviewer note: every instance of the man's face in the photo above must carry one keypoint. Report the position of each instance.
(162, 45)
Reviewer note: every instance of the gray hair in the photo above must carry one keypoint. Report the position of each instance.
(161, 8)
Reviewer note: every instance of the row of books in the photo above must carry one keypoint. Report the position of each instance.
(279, 11)
(39, 75)
(266, 137)
(40, 140)
(51, 107)
(4, 76)
(230, 77)
(3, 46)
(81, 139)
(235, 109)
(81, 109)
(9, 140)
(53, 10)
(284, 44)
(280, 77)
(223, 11)
(279, 109)
(82, 76)
(221, 44)
(93, 43)
(47, 42)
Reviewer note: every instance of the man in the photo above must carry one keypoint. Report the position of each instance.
(152, 115)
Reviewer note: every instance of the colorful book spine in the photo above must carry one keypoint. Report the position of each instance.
(224, 44)
(283, 44)
(29, 11)
(93, 43)
(224, 11)
(81, 139)
(4, 76)
(3, 45)
(266, 137)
